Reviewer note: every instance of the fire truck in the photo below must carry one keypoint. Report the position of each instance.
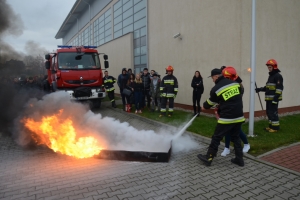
(77, 71)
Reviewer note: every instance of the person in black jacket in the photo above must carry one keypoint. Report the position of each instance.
(146, 84)
(273, 94)
(227, 94)
(122, 82)
(108, 83)
(197, 84)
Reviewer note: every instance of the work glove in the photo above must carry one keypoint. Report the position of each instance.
(258, 90)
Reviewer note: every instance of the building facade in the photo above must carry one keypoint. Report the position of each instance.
(192, 35)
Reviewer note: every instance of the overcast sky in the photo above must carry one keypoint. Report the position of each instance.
(42, 20)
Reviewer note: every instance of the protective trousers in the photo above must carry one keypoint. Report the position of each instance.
(220, 131)
(111, 96)
(163, 109)
(272, 113)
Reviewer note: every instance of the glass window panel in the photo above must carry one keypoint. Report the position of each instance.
(140, 6)
(118, 26)
(140, 14)
(101, 36)
(136, 1)
(118, 19)
(143, 59)
(136, 34)
(136, 43)
(108, 32)
(101, 41)
(143, 50)
(117, 5)
(143, 31)
(128, 29)
(118, 12)
(140, 23)
(107, 26)
(107, 13)
(107, 20)
(128, 21)
(101, 30)
(137, 51)
(127, 13)
(143, 41)
(108, 38)
(101, 18)
(101, 24)
(127, 5)
(137, 60)
(125, 1)
(118, 33)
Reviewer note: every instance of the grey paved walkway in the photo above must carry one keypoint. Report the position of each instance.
(42, 174)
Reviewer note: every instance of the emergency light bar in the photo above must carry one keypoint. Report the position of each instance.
(67, 46)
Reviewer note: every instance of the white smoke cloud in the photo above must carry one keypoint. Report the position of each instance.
(111, 133)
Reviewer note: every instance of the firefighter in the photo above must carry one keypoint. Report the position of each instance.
(108, 83)
(273, 94)
(227, 94)
(168, 89)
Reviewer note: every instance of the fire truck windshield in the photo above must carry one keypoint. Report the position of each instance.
(71, 60)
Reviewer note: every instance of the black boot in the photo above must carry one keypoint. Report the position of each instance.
(113, 104)
(238, 160)
(195, 113)
(198, 111)
(208, 158)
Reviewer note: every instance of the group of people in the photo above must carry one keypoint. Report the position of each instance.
(225, 97)
(144, 89)
(227, 94)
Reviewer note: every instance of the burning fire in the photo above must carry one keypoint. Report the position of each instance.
(60, 135)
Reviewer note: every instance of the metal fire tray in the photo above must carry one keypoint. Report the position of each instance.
(141, 156)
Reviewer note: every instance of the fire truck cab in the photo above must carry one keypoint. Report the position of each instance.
(77, 71)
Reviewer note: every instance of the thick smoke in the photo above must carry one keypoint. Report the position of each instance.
(112, 134)
(10, 24)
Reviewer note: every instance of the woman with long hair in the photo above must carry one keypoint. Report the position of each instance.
(130, 86)
(138, 93)
(198, 88)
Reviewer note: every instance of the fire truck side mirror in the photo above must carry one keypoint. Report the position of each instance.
(105, 57)
(47, 57)
(47, 64)
(106, 64)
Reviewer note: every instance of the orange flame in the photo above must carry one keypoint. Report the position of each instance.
(60, 135)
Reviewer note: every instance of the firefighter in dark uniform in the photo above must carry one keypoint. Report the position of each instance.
(168, 89)
(273, 94)
(108, 82)
(228, 95)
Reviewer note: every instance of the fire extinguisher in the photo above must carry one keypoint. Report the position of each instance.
(128, 108)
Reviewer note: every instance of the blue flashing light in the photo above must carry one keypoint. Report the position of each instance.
(64, 46)
(69, 46)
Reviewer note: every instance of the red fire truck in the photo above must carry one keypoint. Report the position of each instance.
(77, 71)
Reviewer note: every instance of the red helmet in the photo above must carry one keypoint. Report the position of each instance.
(230, 73)
(170, 68)
(273, 63)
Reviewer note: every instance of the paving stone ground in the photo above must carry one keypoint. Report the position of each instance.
(43, 174)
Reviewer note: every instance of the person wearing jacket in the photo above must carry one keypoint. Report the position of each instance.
(146, 83)
(230, 73)
(122, 82)
(198, 89)
(138, 93)
(227, 94)
(155, 92)
(130, 85)
(273, 94)
(108, 83)
(169, 90)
